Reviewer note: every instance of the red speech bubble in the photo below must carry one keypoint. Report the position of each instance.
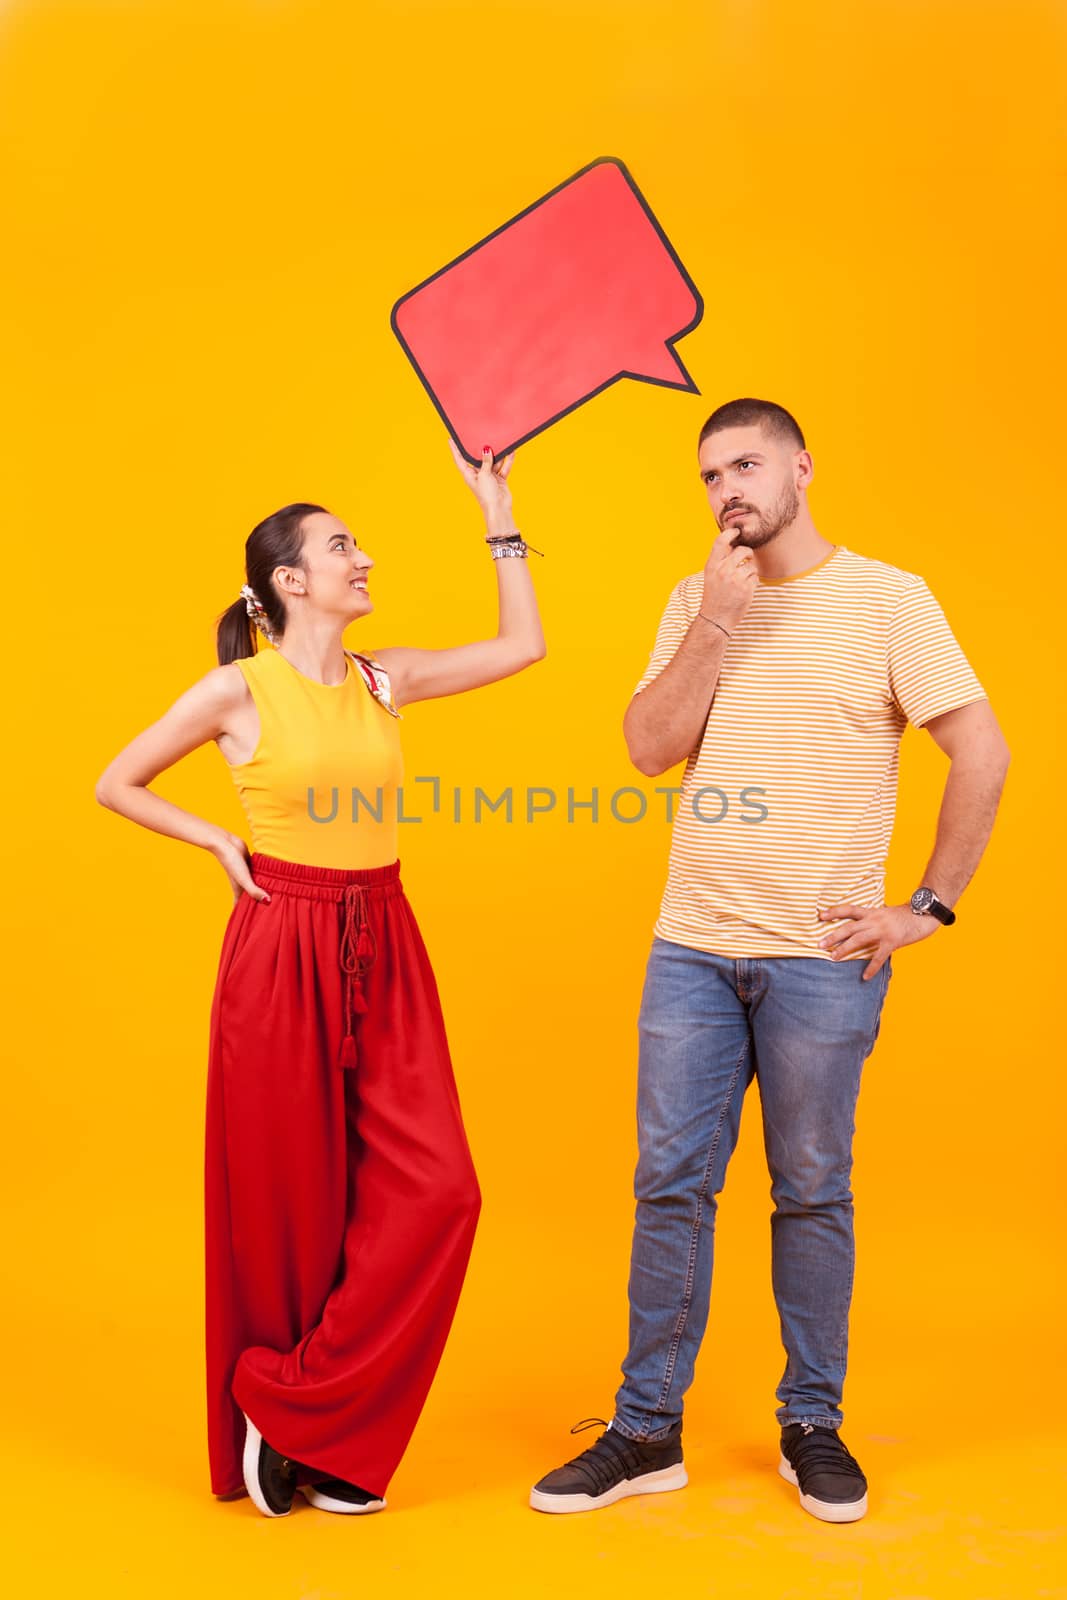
(579, 290)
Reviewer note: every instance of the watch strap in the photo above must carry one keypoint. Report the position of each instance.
(937, 908)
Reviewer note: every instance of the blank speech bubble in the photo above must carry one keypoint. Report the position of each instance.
(579, 290)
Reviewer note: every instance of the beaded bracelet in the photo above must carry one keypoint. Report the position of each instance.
(509, 544)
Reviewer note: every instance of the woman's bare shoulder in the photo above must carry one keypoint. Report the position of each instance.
(224, 687)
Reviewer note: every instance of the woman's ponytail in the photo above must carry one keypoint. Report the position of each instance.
(235, 635)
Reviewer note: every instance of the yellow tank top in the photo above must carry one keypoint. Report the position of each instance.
(320, 786)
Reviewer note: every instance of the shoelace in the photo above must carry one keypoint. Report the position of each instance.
(600, 1463)
(820, 1450)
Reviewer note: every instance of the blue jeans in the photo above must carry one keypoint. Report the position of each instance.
(803, 1027)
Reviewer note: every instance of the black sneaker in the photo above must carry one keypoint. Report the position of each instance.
(334, 1494)
(831, 1485)
(611, 1469)
(270, 1477)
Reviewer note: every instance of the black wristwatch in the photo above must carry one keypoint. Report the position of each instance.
(924, 902)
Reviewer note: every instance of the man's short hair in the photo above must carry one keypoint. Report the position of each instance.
(743, 413)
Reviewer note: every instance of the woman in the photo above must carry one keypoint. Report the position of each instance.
(340, 1198)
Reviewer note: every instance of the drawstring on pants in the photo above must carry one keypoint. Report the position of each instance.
(361, 892)
(358, 952)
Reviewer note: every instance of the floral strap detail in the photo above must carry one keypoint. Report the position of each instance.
(376, 678)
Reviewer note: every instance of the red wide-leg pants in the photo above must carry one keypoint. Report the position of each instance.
(340, 1197)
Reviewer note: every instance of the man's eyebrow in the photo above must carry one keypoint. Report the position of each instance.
(749, 455)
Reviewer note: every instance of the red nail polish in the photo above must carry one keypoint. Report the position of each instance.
(487, 449)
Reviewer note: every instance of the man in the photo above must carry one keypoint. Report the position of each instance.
(783, 674)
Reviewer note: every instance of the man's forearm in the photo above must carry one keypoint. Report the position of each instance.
(665, 722)
(964, 824)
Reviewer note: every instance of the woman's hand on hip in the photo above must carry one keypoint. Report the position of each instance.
(231, 852)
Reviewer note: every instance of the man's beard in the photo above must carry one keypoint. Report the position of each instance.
(769, 524)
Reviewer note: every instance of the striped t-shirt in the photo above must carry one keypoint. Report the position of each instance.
(787, 804)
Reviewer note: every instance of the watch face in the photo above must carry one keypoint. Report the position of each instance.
(922, 900)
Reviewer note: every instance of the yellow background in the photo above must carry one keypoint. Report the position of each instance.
(210, 210)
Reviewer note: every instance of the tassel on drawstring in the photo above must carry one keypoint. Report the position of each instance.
(358, 950)
(355, 1006)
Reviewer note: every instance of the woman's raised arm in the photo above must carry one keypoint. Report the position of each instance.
(426, 674)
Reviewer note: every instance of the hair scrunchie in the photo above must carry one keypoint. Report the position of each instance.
(255, 610)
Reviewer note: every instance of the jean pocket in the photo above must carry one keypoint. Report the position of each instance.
(882, 979)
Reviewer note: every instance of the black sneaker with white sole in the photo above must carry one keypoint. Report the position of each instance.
(831, 1485)
(611, 1469)
(270, 1477)
(335, 1494)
